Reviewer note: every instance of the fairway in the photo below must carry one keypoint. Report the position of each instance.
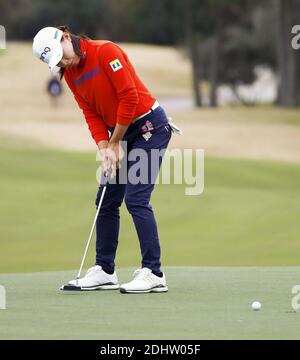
(247, 215)
(203, 303)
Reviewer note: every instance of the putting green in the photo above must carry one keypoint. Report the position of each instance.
(203, 303)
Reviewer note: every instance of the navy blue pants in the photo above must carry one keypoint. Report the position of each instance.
(137, 196)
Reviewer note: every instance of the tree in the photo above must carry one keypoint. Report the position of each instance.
(232, 41)
(288, 59)
(191, 43)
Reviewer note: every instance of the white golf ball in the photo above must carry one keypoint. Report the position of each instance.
(256, 305)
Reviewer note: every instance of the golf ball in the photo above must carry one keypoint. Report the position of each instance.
(256, 305)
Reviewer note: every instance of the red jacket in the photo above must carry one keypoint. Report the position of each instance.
(106, 87)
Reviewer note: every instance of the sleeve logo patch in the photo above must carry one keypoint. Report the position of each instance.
(116, 65)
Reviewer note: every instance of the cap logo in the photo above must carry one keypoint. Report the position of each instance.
(44, 53)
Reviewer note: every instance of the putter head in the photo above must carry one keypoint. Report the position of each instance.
(69, 287)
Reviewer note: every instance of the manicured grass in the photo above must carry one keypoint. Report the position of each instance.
(247, 215)
(202, 303)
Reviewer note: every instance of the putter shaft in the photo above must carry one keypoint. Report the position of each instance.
(91, 234)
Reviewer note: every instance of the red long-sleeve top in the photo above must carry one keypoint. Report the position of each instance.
(106, 87)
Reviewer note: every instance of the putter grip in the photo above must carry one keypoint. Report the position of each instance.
(105, 179)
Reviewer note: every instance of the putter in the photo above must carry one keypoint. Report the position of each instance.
(77, 287)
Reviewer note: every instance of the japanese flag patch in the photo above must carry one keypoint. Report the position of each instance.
(116, 65)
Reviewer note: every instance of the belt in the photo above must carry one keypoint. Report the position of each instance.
(155, 106)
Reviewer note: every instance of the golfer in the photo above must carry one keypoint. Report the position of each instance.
(117, 107)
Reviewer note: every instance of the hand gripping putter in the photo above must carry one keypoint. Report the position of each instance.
(76, 287)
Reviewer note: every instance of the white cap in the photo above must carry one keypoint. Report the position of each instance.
(47, 47)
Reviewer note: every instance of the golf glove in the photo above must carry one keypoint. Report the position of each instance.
(175, 129)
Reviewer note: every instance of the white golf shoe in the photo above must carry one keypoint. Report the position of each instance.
(144, 281)
(97, 279)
